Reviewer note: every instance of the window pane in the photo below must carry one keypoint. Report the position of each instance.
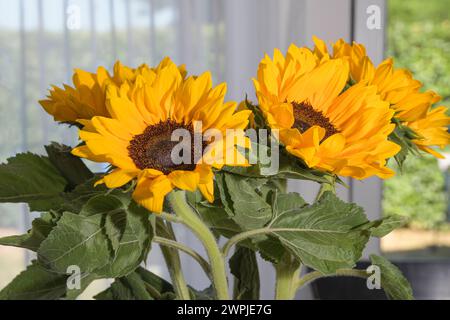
(418, 39)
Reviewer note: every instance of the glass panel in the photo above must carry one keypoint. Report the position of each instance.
(12, 260)
(418, 39)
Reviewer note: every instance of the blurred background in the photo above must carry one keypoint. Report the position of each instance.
(418, 37)
(41, 41)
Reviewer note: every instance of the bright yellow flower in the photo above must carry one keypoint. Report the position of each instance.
(361, 67)
(86, 98)
(136, 139)
(341, 132)
(398, 87)
(433, 130)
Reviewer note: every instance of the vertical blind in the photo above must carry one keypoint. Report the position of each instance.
(43, 40)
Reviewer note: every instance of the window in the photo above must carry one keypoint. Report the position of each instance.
(43, 40)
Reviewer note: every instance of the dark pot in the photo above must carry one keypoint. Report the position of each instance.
(430, 279)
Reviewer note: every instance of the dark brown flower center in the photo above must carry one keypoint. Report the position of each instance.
(153, 148)
(305, 117)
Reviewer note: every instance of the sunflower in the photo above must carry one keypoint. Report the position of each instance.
(361, 67)
(432, 131)
(399, 88)
(343, 132)
(137, 137)
(86, 98)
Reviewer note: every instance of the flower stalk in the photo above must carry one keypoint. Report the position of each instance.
(178, 202)
(286, 274)
(317, 275)
(176, 245)
(173, 262)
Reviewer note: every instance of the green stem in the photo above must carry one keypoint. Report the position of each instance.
(248, 234)
(242, 236)
(173, 263)
(152, 291)
(190, 219)
(330, 186)
(286, 274)
(287, 271)
(169, 217)
(176, 245)
(317, 275)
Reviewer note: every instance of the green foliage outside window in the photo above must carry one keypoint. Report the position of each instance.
(418, 38)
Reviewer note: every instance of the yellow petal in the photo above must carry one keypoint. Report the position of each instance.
(150, 193)
(320, 48)
(205, 173)
(282, 116)
(185, 180)
(85, 152)
(119, 177)
(207, 189)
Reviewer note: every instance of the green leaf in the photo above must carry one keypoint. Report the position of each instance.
(221, 215)
(40, 229)
(70, 167)
(287, 202)
(208, 293)
(217, 219)
(120, 289)
(162, 286)
(32, 179)
(115, 216)
(76, 240)
(108, 294)
(289, 167)
(134, 244)
(259, 120)
(393, 282)
(262, 168)
(292, 168)
(403, 136)
(224, 196)
(115, 227)
(270, 248)
(116, 291)
(220, 221)
(103, 245)
(250, 209)
(102, 204)
(388, 224)
(326, 236)
(76, 199)
(138, 285)
(85, 280)
(35, 283)
(244, 267)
